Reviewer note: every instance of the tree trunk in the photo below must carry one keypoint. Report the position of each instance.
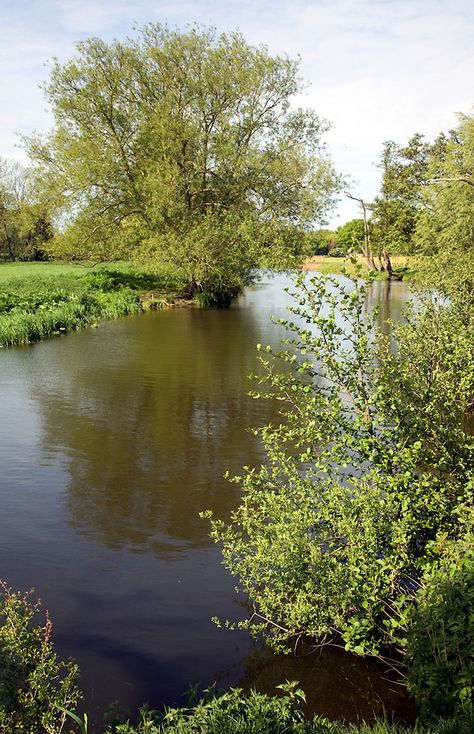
(388, 267)
(191, 288)
(367, 246)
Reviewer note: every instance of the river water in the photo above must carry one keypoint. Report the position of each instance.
(111, 442)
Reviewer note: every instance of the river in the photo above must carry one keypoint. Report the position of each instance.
(111, 442)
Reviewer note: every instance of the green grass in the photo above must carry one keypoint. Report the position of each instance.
(342, 265)
(236, 713)
(39, 300)
(9, 270)
(160, 276)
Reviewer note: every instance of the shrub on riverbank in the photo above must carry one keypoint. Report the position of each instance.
(38, 695)
(359, 524)
(34, 684)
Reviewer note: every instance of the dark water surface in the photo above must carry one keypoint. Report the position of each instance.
(111, 442)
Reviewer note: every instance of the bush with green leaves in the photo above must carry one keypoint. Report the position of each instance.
(350, 236)
(441, 636)
(34, 685)
(369, 470)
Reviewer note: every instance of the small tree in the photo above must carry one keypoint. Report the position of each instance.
(368, 472)
(366, 242)
(350, 237)
(35, 686)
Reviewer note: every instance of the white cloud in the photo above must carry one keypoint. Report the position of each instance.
(379, 69)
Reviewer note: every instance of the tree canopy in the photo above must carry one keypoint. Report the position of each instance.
(446, 222)
(350, 236)
(395, 210)
(184, 147)
(25, 213)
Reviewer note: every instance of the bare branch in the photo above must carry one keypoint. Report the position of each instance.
(451, 179)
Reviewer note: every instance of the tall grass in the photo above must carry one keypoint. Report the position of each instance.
(37, 305)
(237, 713)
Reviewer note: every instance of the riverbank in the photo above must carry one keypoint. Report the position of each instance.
(235, 713)
(345, 266)
(43, 299)
(39, 300)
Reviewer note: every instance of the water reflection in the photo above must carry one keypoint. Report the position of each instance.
(111, 442)
(149, 414)
(390, 298)
(333, 682)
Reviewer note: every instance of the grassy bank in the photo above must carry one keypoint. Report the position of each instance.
(38, 300)
(341, 265)
(255, 713)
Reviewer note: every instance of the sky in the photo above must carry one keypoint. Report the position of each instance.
(377, 69)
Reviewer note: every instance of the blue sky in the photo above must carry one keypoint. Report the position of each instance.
(378, 69)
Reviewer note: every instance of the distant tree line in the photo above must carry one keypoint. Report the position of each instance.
(425, 204)
(25, 214)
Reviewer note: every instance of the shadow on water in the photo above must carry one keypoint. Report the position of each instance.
(111, 442)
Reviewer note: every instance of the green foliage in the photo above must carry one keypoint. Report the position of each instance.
(350, 236)
(231, 712)
(25, 214)
(320, 241)
(447, 220)
(34, 684)
(81, 721)
(234, 712)
(41, 314)
(396, 209)
(203, 162)
(369, 470)
(441, 635)
(426, 201)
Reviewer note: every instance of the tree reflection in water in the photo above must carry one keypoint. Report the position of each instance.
(113, 441)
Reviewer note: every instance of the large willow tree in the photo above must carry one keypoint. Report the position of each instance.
(184, 147)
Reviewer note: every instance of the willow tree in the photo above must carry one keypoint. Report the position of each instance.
(184, 147)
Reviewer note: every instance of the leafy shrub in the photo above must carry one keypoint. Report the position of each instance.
(33, 682)
(441, 635)
(368, 471)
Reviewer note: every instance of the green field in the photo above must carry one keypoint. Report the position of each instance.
(15, 270)
(334, 265)
(39, 300)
